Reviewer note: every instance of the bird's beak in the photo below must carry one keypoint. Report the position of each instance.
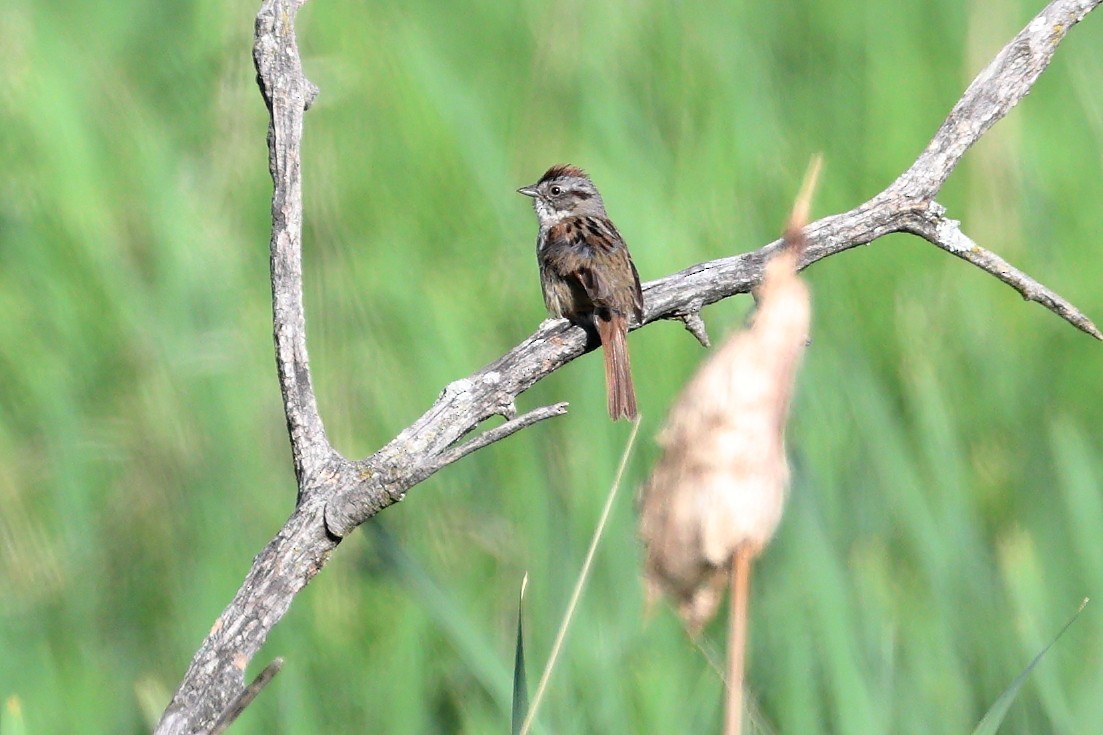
(529, 191)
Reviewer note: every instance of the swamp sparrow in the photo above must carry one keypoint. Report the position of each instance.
(587, 273)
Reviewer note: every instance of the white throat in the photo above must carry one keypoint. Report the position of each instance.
(547, 215)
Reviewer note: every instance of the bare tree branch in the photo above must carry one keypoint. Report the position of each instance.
(215, 677)
(246, 697)
(335, 494)
(288, 94)
(498, 433)
(998, 88)
(947, 235)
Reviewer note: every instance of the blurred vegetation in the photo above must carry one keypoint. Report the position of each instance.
(946, 516)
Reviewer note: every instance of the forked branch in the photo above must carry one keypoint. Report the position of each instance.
(336, 494)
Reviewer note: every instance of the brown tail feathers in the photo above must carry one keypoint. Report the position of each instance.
(618, 370)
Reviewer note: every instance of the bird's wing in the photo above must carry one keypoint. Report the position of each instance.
(591, 251)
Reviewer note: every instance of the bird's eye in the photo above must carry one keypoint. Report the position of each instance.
(556, 191)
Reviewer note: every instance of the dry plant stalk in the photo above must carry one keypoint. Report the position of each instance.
(716, 495)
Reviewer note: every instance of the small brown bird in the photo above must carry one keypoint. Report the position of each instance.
(587, 273)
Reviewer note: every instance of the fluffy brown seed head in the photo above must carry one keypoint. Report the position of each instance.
(721, 482)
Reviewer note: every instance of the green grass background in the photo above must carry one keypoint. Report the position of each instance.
(946, 516)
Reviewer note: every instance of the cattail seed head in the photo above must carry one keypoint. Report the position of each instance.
(722, 479)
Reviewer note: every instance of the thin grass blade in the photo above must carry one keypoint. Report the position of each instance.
(520, 685)
(990, 723)
(583, 575)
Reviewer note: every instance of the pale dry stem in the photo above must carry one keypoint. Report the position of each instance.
(737, 637)
(580, 583)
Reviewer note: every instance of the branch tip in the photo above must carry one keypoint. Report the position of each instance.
(488, 437)
(946, 234)
(695, 325)
(246, 697)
